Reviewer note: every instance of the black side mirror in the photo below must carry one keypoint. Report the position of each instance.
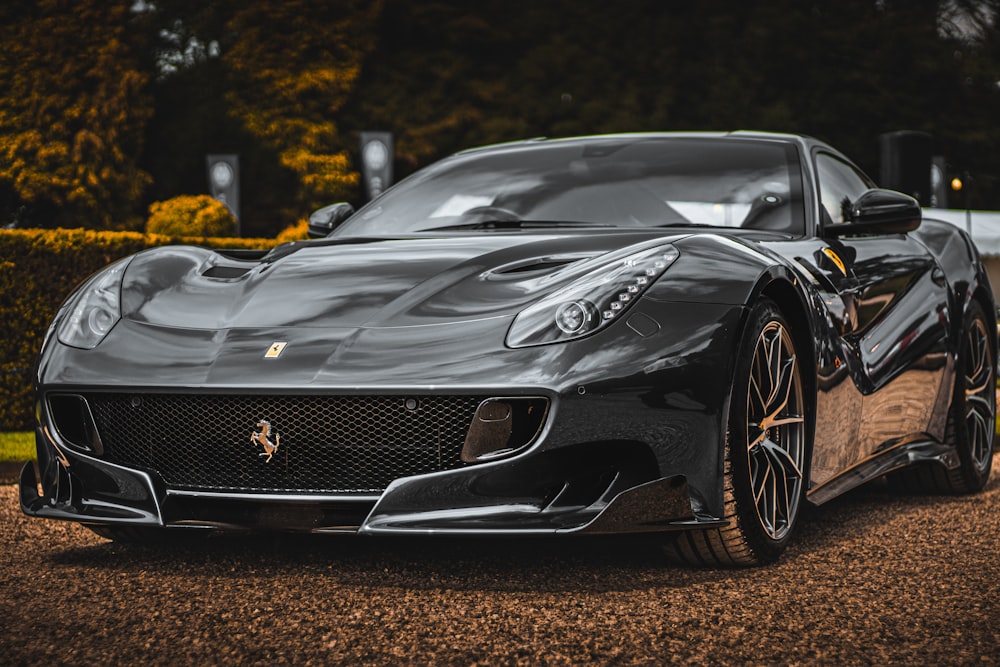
(325, 220)
(879, 212)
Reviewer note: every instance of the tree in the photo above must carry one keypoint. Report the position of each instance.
(448, 75)
(264, 81)
(292, 66)
(72, 111)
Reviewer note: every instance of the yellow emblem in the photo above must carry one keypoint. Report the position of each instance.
(835, 258)
(275, 350)
(262, 436)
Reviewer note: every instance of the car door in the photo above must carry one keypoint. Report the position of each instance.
(897, 338)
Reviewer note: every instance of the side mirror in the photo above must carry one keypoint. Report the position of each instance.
(880, 212)
(325, 220)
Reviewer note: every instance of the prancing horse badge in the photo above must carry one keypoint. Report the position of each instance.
(277, 347)
(262, 436)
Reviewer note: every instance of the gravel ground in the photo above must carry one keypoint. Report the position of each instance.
(872, 579)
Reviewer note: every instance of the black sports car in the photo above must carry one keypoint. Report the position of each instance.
(689, 334)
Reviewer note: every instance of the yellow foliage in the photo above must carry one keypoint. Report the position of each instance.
(191, 215)
(299, 61)
(297, 232)
(72, 110)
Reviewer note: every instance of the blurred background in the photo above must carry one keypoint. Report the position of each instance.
(108, 106)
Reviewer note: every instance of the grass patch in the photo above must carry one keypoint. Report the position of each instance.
(17, 446)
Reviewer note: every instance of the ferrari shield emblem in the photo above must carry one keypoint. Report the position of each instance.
(277, 347)
(262, 436)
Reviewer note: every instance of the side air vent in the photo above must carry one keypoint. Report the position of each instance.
(73, 420)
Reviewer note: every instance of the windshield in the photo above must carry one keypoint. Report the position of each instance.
(623, 181)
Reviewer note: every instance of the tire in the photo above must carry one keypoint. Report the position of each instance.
(971, 416)
(765, 452)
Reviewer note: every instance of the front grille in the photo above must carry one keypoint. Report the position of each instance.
(326, 443)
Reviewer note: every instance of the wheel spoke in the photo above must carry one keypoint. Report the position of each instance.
(979, 438)
(757, 406)
(790, 419)
(760, 476)
(773, 367)
(976, 355)
(775, 483)
(782, 459)
(779, 493)
(755, 434)
(979, 404)
(976, 386)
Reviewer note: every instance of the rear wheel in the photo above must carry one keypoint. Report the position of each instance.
(971, 417)
(765, 452)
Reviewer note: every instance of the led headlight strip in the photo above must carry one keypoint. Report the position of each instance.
(593, 301)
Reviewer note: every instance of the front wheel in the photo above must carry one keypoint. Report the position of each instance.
(765, 451)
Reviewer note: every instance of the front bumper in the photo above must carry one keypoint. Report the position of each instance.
(631, 442)
(587, 489)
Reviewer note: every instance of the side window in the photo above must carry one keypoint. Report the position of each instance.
(840, 185)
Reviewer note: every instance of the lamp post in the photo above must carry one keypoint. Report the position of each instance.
(224, 182)
(958, 185)
(376, 162)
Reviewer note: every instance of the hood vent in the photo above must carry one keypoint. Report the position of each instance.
(226, 272)
(539, 264)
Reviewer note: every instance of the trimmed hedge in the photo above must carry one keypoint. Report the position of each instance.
(38, 270)
(296, 232)
(191, 215)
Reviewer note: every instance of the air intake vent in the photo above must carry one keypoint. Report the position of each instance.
(325, 443)
(74, 422)
(226, 272)
(538, 265)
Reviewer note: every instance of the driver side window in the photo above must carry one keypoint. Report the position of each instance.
(840, 185)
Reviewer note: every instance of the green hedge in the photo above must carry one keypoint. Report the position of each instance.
(38, 270)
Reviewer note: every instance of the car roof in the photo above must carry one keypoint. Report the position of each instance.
(804, 141)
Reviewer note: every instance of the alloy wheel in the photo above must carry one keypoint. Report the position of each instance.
(775, 430)
(979, 394)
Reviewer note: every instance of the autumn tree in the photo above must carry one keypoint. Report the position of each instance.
(449, 74)
(72, 111)
(293, 65)
(289, 85)
(262, 80)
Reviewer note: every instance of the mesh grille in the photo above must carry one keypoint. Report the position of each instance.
(327, 443)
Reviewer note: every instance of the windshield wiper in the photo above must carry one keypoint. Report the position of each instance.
(518, 224)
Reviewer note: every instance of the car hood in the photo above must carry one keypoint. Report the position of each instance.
(385, 282)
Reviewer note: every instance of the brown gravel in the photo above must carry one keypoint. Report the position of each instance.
(872, 579)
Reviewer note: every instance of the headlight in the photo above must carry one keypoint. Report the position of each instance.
(94, 309)
(591, 302)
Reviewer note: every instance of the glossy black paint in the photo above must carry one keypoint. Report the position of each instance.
(637, 411)
(880, 212)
